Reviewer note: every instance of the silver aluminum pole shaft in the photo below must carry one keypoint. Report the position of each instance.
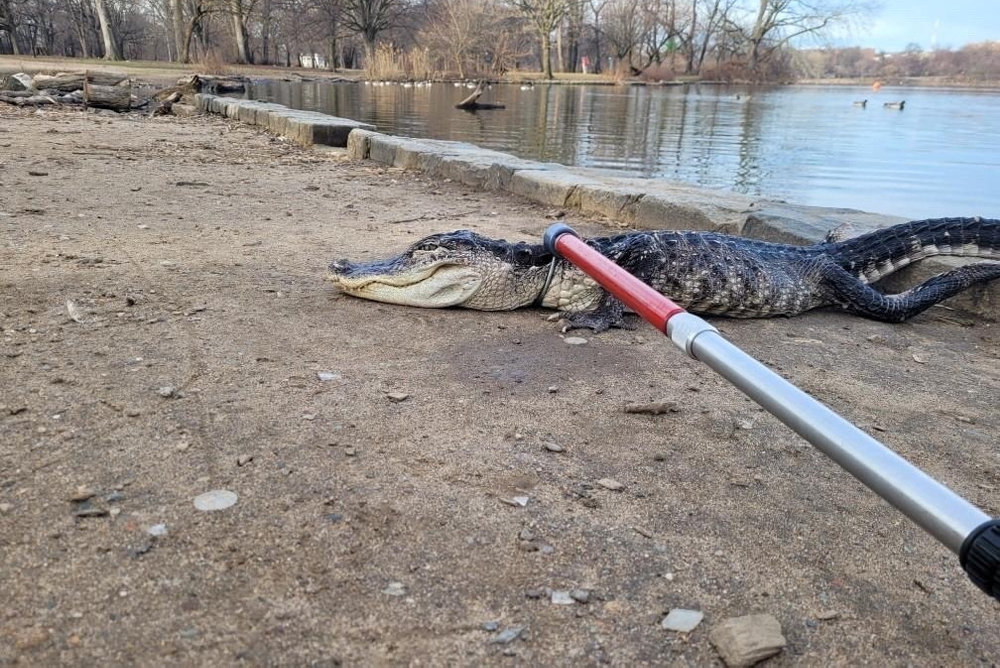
(942, 513)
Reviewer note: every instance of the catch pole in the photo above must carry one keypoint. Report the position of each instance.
(962, 527)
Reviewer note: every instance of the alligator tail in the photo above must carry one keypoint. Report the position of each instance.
(850, 293)
(877, 254)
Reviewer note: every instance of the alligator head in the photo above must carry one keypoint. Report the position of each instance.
(458, 268)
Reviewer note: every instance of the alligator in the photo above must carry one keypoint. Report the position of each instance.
(705, 272)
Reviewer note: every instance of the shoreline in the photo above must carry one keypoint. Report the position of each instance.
(164, 73)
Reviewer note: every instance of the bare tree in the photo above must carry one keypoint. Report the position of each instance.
(370, 18)
(111, 49)
(780, 21)
(544, 16)
(623, 28)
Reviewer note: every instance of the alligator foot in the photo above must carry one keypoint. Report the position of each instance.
(610, 313)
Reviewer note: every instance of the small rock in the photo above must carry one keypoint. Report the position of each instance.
(327, 376)
(114, 497)
(526, 534)
(554, 447)
(743, 641)
(182, 446)
(507, 635)
(350, 452)
(397, 397)
(5, 508)
(580, 595)
(491, 626)
(309, 416)
(157, 530)
(217, 499)
(827, 615)
(167, 392)
(655, 408)
(611, 483)
(561, 597)
(575, 340)
(533, 593)
(243, 460)
(682, 621)
(527, 546)
(395, 589)
(516, 501)
(553, 389)
(81, 494)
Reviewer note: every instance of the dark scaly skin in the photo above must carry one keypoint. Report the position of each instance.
(719, 274)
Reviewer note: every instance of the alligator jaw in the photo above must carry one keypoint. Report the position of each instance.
(437, 286)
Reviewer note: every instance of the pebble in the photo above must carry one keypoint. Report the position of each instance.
(611, 483)
(491, 626)
(554, 447)
(561, 597)
(580, 595)
(5, 508)
(744, 641)
(575, 340)
(553, 389)
(397, 397)
(167, 391)
(681, 620)
(182, 446)
(350, 452)
(516, 501)
(327, 376)
(507, 635)
(395, 589)
(157, 530)
(243, 460)
(216, 499)
(81, 494)
(114, 497)
(533, 593)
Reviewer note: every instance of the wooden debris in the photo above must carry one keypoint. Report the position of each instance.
(471, 103)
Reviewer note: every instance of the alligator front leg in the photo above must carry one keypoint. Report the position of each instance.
(859, 297)
(610, 312)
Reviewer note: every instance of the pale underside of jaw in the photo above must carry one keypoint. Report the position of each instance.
(435, 287)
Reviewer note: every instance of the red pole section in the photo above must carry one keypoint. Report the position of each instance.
(644, 300)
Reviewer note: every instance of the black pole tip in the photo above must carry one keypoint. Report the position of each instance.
(554, 232)
(980, 557)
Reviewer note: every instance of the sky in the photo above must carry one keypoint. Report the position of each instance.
(933, 24)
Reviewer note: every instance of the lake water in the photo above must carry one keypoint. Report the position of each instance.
(940, 156)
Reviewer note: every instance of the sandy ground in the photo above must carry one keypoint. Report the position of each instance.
(374, 531)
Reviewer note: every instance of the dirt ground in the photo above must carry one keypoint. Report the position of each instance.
(167, 330)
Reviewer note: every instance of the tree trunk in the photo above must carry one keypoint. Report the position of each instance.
(239, 30)
(111, 50)
(757, 36)
(177, 16)
(547, 55)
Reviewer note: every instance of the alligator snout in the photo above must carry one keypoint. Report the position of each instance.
(341, 267)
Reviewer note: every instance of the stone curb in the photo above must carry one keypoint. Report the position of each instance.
(304, 127)
(634, 202)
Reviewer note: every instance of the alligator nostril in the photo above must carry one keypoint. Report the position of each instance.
(340, 266)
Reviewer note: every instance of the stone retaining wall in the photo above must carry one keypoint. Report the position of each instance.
(634, 202)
